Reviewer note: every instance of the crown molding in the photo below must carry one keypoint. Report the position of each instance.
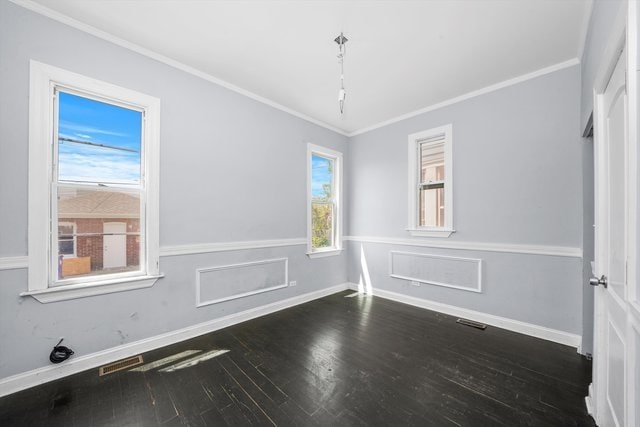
(67, 20)
(584, 34)
(506, 83)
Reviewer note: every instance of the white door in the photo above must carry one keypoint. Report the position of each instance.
(114, 245)
(612, 335)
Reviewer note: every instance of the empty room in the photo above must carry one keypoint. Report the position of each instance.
(319, 213)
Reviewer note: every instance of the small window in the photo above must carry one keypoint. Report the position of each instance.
(324, 211)
(67, 239)
(430, 198)
(93, 186)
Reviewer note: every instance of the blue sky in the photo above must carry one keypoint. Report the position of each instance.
(97, 122)
(320, 174)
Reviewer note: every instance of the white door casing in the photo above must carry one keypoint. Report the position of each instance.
(114, 245)
(611, 249)
(616, 340)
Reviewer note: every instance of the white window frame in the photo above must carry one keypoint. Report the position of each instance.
(44, 79)
(75, 239)
(336, 156)
(415, 139)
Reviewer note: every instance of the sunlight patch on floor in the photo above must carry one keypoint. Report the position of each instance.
(194, 360)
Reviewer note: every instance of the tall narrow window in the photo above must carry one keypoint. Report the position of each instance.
(431, 208)
(430, 199)
(324, 211)
(93, 188)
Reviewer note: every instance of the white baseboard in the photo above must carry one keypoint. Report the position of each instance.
(45, 374)
(588, 401)
(537, 331)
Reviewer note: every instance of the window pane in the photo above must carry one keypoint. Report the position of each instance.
(431, 162)
(101, 254)
(322, 205)
(107, 227)
(432, 207)
(322, 218)
(65, 247)
(98, 142)
(321, 178)
(65, 230)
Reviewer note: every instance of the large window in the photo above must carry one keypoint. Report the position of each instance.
(430, 186)
(93, 196)
(324, 211)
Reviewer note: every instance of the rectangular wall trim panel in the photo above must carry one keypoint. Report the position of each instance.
(227, 282)
(451, 272)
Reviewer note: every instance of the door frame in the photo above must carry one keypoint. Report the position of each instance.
(624, 34)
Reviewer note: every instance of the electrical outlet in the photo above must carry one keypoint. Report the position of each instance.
(293, 283)
(414, 283)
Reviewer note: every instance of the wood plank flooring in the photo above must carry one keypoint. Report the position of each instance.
(333, 361)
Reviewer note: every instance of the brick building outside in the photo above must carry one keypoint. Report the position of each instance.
(98, 232)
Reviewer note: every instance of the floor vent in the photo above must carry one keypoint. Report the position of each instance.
(121, 365)
(471, 323)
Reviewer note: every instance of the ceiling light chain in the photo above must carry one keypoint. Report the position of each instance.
(342, 94)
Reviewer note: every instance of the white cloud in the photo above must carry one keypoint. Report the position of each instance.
(90, 164)
(89, 129)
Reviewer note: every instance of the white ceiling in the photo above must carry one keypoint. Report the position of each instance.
(401, 56)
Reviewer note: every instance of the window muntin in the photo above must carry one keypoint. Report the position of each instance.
(324, 178)
(430, 183)
(323, 203)
(97, 179)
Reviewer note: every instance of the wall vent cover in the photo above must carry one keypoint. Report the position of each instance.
(120, 365)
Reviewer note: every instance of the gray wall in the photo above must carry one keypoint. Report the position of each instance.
(517, 179)
(232, 169)
(603, 16)
(588, 244)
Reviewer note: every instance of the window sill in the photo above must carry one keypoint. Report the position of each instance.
(63, 293)
(322, 254)
(442, 232)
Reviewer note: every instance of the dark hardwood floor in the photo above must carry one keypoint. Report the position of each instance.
(333, 361)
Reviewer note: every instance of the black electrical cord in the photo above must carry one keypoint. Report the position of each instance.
(60, 353)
